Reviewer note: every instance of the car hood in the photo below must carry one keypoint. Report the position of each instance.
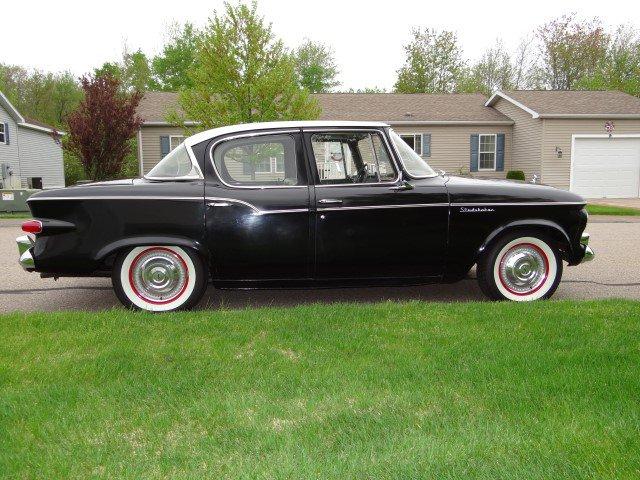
(475, 190)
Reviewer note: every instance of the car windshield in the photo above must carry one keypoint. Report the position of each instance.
(176, 164)
(413, 163)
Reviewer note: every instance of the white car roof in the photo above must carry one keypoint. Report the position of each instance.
(246, 127)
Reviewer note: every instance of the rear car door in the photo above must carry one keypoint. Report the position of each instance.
(369, 222)
(257, 208)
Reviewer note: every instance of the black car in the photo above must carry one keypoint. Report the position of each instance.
(303, 204)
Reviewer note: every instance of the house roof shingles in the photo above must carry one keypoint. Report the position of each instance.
(573, 102)
(384, 107)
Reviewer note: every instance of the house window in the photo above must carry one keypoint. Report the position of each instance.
(34, 183)
(174, 141)
(414, 140)
(2, 134)
(487, 152)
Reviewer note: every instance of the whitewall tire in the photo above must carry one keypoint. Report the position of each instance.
(520, 267)
(159, 278)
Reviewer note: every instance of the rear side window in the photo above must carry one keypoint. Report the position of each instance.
(177, 164)
(268, 160)
(351, 158)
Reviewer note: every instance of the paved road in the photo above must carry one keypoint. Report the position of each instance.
(614, 273)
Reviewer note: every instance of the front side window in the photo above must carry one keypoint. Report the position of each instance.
(413, 163)
(176, 164)
(2, 134)
(266, 160)
(487, 152)
(351, 157)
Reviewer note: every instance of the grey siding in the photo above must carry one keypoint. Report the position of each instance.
(559, 132)
(451, 146)
(9, 153)
(527, 140)
(40, 156)
(150, 144)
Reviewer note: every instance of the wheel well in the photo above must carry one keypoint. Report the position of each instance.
(109, 260)
(558, 239)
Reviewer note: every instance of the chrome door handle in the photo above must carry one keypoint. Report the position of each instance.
(330, 201)
(219, 204)
(403, 186)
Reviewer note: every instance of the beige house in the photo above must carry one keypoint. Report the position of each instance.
(588, 142)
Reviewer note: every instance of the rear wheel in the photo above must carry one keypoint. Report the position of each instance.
(520, 267)
(159, 278)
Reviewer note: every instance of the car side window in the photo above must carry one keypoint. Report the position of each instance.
(351, 158)
(265, 160)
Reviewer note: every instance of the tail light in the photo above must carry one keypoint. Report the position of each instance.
(32, 226)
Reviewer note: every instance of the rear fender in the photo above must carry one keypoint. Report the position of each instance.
(129, 242)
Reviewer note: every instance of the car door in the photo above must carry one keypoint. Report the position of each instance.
(257, 208)
(370, 223)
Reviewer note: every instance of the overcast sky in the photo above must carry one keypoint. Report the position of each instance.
(367, 36)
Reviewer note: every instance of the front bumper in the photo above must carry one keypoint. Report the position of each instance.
(25, 242)
(589, 254)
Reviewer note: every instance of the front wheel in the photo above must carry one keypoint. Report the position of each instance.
(520, 267)
(159, 278)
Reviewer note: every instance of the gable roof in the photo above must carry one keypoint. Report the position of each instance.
(571, 103)
(11, 110)
(397, 108)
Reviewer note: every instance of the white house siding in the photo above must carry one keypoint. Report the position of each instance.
(527, 139)
(9, 153)
(40, 156)
(451, 146)
(558, 133)
(150, 137)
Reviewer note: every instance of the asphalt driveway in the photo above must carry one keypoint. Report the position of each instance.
(613, 274)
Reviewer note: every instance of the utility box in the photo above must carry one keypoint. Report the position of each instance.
(15, 200)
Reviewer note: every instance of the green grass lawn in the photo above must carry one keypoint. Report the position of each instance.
(611, 210)
(392, 390)
(10, 215)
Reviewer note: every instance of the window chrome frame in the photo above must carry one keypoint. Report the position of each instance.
(399, 171)
(399, 157)
(194, 162)
(218, 142)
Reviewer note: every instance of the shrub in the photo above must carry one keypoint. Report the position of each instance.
(515, 175)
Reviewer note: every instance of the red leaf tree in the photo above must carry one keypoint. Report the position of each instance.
(102, 126)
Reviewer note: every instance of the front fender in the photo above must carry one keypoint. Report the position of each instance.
(128, 242)
(558, 233)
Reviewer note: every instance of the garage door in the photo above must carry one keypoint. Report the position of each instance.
(606, 167)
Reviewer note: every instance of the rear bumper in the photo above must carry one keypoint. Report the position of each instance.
(588, 254)
(25, 242)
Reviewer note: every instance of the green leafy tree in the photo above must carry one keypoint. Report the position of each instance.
(570, 50)
(433, 63)
(316, 67)
(243, 74)
(133, 71)
(171, 68)
(494, 71)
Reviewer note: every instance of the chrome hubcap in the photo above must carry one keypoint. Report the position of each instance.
(523, 269)
(158, 275)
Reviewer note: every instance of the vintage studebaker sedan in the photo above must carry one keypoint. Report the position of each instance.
(303, 204)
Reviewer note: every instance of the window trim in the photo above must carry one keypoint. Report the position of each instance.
(171, 137)
(4, 135)
(390, 151)
(415, 134)
(495, 151)
(216, 143)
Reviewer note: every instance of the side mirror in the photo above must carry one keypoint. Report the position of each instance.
(403, 185)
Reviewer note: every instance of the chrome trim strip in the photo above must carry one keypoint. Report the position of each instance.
(256, 210)
(249, 135)
(514, 204)
(375, 207)
(117, 197)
